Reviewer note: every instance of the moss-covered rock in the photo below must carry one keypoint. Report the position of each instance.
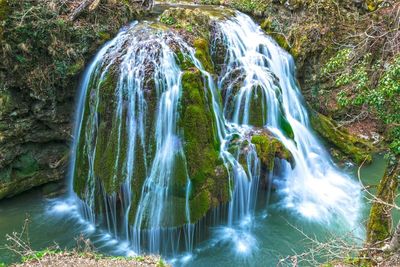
(268, 148)
(203, 54)
(111, 138)
(357, 149)
(268, 26)
(201, 146)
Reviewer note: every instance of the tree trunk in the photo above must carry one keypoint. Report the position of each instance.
(380, 217)
(394, 244)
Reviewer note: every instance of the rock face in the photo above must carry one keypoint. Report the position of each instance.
(42, 57)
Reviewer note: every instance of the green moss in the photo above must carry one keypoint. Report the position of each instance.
(179, 177)
(203, 54)
(285, 126)
(183, 61)
(268, 26)
(167, 19)
(200, 145)
(76, 68)
(104, 36)
(372, 5)
(110, 141)
(380, 220)
(258, 109)
(194, 21)
(356, 148)
(110, 144)
(139, 176)
(82, 165)
(199, 205)
(268, 148)
(4, 9)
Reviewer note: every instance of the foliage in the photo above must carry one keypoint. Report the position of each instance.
(385, 98)
(245, 5)
(358, 88)
(338, 61)
(37, 255)
(47, 49)
(169, 20)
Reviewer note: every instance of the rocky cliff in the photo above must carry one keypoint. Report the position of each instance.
(43, 53)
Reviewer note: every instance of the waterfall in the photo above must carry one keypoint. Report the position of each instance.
(130, 165)
(315, 188)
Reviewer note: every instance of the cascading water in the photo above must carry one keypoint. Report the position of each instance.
(314, 189)
(133, 55)
(131, 163)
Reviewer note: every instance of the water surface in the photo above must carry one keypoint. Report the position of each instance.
(273, 229)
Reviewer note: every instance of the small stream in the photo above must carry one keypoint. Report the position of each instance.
(274, 234)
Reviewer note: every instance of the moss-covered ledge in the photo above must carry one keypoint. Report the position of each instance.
(268, 148)
(358, 149)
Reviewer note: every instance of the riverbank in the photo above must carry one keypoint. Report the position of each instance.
(88, 259)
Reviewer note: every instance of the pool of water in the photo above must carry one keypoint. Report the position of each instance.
(273, 235)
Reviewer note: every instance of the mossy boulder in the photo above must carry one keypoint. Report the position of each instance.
(359, 150)
(268, 148)
(110, 141)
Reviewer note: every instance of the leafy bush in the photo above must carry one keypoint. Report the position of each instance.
(359, 86)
